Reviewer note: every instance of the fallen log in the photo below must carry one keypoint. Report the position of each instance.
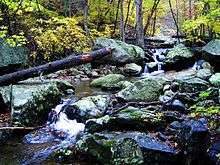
(53, 66)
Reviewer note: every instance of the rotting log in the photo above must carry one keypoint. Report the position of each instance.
(53, 66)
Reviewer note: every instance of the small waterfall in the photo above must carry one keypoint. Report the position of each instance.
(59, 129)
(146, 70)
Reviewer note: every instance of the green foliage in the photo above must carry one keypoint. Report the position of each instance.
(205, 111)
(207, 20)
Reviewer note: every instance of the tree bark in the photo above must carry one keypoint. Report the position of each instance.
(53, 66)
(122, 30)
(139, 24)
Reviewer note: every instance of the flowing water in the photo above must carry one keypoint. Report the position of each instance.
(159, 57)
(59, 132)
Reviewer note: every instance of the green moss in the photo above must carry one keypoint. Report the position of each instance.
(204, 94)
(205, 111)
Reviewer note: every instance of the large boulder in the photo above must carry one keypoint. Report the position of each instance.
(109, 150)
(130, 118)
(108, 82)
(32, 101)
(11, 57)
(88, 107)
(122, 53)
(179, 57)
(127, 148)
(211, 52)
(194, 138)
(148, 89)
(192, 85)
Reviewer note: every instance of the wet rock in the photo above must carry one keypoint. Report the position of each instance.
(132, 69)
(179, 57)
(108, 81)
(215, 80)
(214, 152)
(32, 101)
(127, 119)
(88, 107)
(109, 150)
(192, 85)
(194, 140)
(204, 74)
(122, 53)
(211, 52)
(177, 105)
(152, 66)
(148, 89)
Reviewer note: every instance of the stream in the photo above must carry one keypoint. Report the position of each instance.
(61, 132)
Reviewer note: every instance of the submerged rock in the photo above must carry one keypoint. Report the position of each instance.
(88, 107)
(148, 89)
(108, 82)
(122, 53)
(127, 148)
(179, 57)
(32, 101)
(130, 118)
(132, 69)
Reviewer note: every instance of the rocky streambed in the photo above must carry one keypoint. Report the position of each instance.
(119, 114)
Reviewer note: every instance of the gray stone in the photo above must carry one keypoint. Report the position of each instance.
(132, 69)
(211, 52)
(111, 150)
(122, 52)
(32, 101)
(215, 80)
(148, 89)
(128, 118)
(191, 85)
(131, 147)
(204, 74)
(179, 57)
(108, 82)
(88, 107)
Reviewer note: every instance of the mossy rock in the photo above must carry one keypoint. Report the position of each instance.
(108, 82)
(111, 150)
(148, 89)
(32, 101)
(122, 53)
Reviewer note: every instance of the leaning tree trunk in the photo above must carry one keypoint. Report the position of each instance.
(53, 66)
(139, 24)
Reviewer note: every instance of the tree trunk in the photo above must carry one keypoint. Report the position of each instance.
(175, 21)
(139, 24)
(53, 66)
(122, 30)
